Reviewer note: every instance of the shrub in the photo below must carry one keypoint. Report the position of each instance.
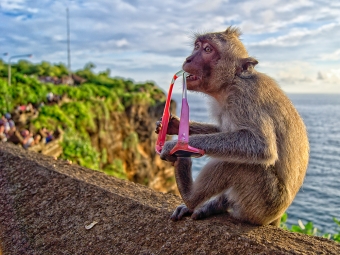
(79, 149)
(309, 228)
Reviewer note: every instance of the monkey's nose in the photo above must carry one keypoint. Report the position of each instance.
(188, 59)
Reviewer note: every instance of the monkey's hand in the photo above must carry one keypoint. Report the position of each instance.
(173, 125)
(165, 153)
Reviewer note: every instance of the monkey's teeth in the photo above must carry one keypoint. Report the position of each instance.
(192, 77)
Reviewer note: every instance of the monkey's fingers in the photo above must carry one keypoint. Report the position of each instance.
(180, 212)
(158, 126)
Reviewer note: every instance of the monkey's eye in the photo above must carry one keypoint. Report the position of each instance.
(197, 46)
(208, 49)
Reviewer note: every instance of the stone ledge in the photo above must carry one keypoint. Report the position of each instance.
(45, 205)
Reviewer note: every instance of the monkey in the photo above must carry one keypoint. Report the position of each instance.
(258, 150)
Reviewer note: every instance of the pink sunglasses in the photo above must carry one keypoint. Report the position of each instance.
(182, 148)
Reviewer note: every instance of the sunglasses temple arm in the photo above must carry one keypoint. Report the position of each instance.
(183, 134)
(166, 117)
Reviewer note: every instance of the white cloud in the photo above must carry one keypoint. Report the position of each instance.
(290, 6)
(205, 6)
(123, 42)
(11, 5)
(331, 56)
(151, 39)
(296, 36)
(124, 6)
(331, 76)
(302, 77)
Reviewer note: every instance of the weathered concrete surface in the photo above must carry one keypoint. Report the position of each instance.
(45, 205)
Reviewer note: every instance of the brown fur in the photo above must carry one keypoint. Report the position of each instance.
(259, 149)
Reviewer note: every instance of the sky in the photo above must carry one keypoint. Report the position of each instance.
(297, 42)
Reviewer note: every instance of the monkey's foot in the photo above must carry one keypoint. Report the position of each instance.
(214, 206)
(200, 214)
(180, 212)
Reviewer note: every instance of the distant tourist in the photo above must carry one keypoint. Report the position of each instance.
(3, 137)
(49, 97)
(28, 138)
(46, 134)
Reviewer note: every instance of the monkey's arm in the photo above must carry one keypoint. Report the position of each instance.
(194, 127)
(252, 139)
(202, 128)
(241, 146)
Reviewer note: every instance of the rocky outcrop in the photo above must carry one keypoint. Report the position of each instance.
(130, 137)
(51, 207)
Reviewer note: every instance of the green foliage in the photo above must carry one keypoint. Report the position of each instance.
(153, 91)
(4, 98)
(3, 69)
(103, 159)
(87, 72)
(100, 109)
(336, 237)
(309, 228)
(79, 110)
(27, 68)
(283, 221)
(131, 141)
(79, 114)
(24, 67)
(53, 116)
(79, 149)
(117, 94)
(25, 89)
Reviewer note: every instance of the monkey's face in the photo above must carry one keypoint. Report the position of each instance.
(200, 64)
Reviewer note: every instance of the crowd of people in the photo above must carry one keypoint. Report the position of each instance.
(7, 127)
(10, 133)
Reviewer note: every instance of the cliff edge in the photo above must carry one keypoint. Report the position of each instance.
(50, 207)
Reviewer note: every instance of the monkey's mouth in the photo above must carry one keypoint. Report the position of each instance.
(192, 77)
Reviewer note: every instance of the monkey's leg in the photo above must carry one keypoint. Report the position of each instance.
(276, 222)
(184, 183)
(214, 205)
(194, 193)
(184, 180)
(207, 184)
(214, 191)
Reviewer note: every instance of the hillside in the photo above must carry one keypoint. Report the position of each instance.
(106, 123)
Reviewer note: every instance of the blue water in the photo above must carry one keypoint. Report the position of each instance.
(319, 198)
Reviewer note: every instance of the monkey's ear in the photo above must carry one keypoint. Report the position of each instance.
(246, 67)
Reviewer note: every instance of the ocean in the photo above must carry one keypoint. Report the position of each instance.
(319, 198)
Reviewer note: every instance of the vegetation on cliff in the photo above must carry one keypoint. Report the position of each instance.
(78, 108)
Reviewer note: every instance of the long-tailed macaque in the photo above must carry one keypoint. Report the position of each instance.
(259, 148)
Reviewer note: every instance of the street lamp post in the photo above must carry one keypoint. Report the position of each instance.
(9, 72)
(9, 65)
